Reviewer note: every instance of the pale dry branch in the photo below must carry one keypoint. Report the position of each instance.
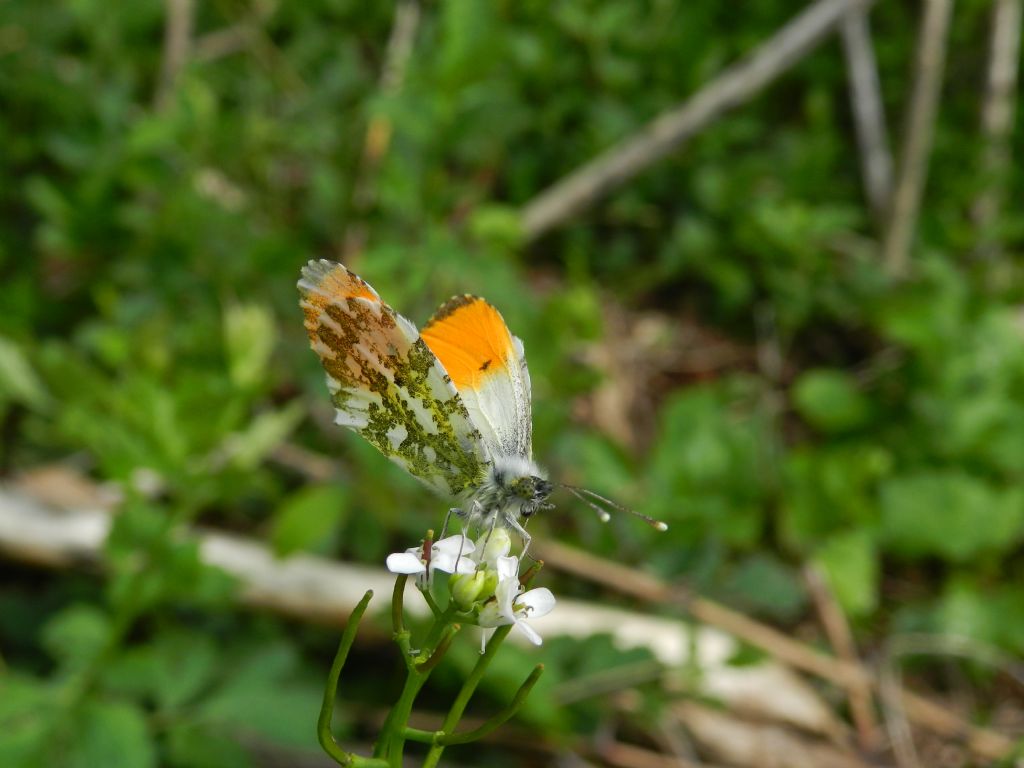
(917, 136)
(623, 755)
(837, 629)
(868, 112)
(736, 85)
(177, 44)
(891, 680)
(379, 129)
(237, 37)
(224, 42)
(739, 742)
(997, 120)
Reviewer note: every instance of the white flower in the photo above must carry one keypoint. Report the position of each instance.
(448, 555)
(511, 607)
(493, 545)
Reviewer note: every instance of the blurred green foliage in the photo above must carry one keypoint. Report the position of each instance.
(149, 332)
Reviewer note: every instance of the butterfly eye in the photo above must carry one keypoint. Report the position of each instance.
(541, 488)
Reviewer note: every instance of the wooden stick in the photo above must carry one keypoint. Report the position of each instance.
(868, 113)
(177, 44)
(379, 128)
(917, 137)
(837, 629)
(737, 84)
(623, 755)
(997, 121)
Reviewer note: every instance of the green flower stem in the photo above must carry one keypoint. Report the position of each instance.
(497, 720)
(323, 725)
(398, 605)
(423, 737)
(425, 667)
(465, 693)
(391, 742)
(429, 598)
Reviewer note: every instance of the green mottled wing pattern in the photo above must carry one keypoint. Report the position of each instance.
(385, 382)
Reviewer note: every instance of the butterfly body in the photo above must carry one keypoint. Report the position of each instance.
(450, 403)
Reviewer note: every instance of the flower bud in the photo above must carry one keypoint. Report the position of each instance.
(467, 588)
(493, 545)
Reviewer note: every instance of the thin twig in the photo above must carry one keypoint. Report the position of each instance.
(868, 112)
(997, 121)
(838, 631)
(379, 128)
(235, 37)
(224, 42)
(668, 131)
(917, 137)
(177, 44)
(891, 680)
(623, 755)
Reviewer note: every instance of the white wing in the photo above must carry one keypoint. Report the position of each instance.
(487, 364)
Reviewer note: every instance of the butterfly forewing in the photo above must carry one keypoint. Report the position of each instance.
(386, 383)
(488, 367)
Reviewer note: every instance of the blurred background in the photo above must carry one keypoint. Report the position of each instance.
(766, 264)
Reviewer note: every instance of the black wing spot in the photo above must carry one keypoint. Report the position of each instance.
(486, 365)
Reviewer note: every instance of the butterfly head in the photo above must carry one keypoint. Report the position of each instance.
(516, 484)
(532, 491)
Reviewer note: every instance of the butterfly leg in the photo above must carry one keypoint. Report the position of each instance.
(447, 518)
(512, 523)
(478, 511)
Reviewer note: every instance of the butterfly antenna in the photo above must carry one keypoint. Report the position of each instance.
(595, 501)
(602, 514)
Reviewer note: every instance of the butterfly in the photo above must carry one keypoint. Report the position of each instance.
(450, 403)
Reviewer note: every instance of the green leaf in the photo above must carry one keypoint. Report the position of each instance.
(830, 401)
(497, 226)
(308, 518)
(171, 671)
(112, 735)
(249, 338)
(991, 613)
(18, 380)
(265, 695)
(247, 449)
(768, 586)
(850, 563)
(25, 707)
(198, 746)
(950, 514)
(76, 634)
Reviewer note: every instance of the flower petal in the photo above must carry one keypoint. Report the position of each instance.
(405, 562)
(530, 632)
(455, 545)
(536, 602)
(507, 568)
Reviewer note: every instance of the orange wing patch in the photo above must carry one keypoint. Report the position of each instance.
(330, 282)
(471, 340)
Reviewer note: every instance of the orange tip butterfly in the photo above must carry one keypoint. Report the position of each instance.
(449, 403)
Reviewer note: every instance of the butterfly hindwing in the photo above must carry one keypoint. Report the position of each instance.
(487, 364)
(386, 383)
